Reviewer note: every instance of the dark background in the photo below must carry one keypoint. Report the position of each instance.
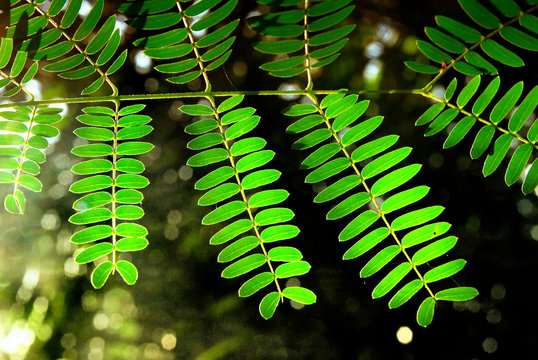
(180, 294)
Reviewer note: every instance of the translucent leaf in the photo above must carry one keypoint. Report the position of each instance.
(425, 312)
(394, 179)
(482, 141)
(421, 68)
(246, 146)
(279, 232)
(391, 280)
(434, 250)
(71, 13)
(129, 212)
(131, 230)
(531, 180)
(441, 121)
(101, 273)
(312, 139)
(196, 110)
(230, 103)
(218, 50)
(6, 46)
(207, 157)
(131, 181)
(267, 198)
(241, 128)
(458, 29)
(285, 253)
(214, 178)
(244, 265)
(330, 20)
(268, 305)
(444, 271)
(128, 271)
(330, 36)
(379, 260)
(404, 198)
(129, 196)
(498, 52)
(517, 163)
(94, 252)
(273, 216)
(237, 115)
(30, 182)
(238, 248)
(218, 194)
(444, 41)
(134, 132)
(118, 63)
(289, 269)
(374, 147)
(425, 233)
(91, 216)
(321, 155)
(524, 110)
(405, 293)
(217, 35)
(89, 22)
(417, 217)
(109, 49)
(92, 200)
(494, 158)
(338, 188)
(254, 160)
(366, 243)
(432, 52)
(507, 102)
(92, 167)
(480, 14)
(89, 184)
(457, 294)
(255, 284)
(430, 114)
(231, 231)
(102, 36)
(344, 105)
(93, 233)
(93, 87)
(468, 91)
(327, 170)
(95, 134)
(15, 203)
(348, 205)
(485, 98)
(299, 294)
(155, 22)
(133, 120)
(131, 244)
(215, 16)
(224, 212)
(358, 225)
(131, 109)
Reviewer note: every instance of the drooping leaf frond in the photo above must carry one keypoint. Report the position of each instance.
(23, 140)
(334, 130)
(466, 49)
(185, 38)
(236, 190)
(446, 114)
(110, 201)
(305, 36)
(51, 35)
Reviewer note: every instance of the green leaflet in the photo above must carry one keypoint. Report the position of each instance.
(294, 268)
(128, 271)
(457, 294)
(485, 98)
(348, 205)
(434, 250)
(366, 243)
(238, 248)
(379, 260)
(101, 273)
(417, 217)
(391, 280)
(480, 14)
(94, 252)
(395, 179)
(443, 271)
(425, 233)
(299, 294)
(255, 284)
(268, 305)
(244, 265)
(506, 103)
(425, 312)
(500, 53)
(405, 293)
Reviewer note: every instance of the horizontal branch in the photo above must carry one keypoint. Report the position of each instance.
(185, 95)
